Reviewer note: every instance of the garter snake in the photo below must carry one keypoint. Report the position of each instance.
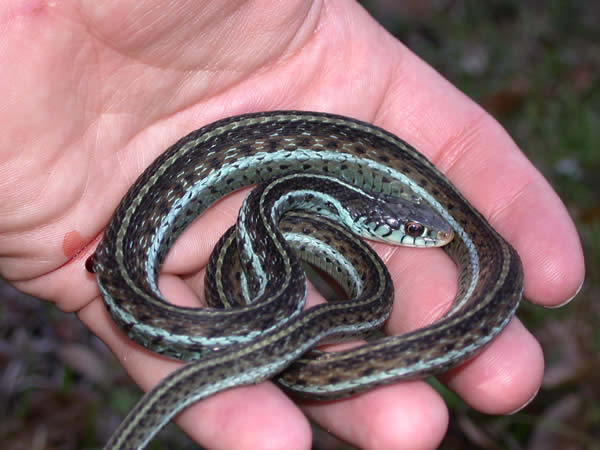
(243, 150)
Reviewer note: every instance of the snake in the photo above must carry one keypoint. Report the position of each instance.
(311, 171)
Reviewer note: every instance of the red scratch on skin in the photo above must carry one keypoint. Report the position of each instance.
(74, 243)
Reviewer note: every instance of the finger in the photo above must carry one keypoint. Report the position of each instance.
(486, 165)
(393, 416)
(226, 420)
(505, 375)
(248, 417)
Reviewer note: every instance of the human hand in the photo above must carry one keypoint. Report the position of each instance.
(94, 91)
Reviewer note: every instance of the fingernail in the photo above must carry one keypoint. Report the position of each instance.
(524, 405)
(567, 300)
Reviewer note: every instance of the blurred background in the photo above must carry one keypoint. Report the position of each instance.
(535, 66)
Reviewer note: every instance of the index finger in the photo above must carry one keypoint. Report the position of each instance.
(484, 163)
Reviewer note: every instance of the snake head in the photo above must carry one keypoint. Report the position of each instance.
(399, 221)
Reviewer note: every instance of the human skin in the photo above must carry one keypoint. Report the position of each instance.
(94, 91)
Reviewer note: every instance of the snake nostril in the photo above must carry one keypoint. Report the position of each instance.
(445, 236)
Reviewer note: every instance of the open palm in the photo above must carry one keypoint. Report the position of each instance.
(94, 91)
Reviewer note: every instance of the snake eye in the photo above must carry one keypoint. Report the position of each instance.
(414, 229)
